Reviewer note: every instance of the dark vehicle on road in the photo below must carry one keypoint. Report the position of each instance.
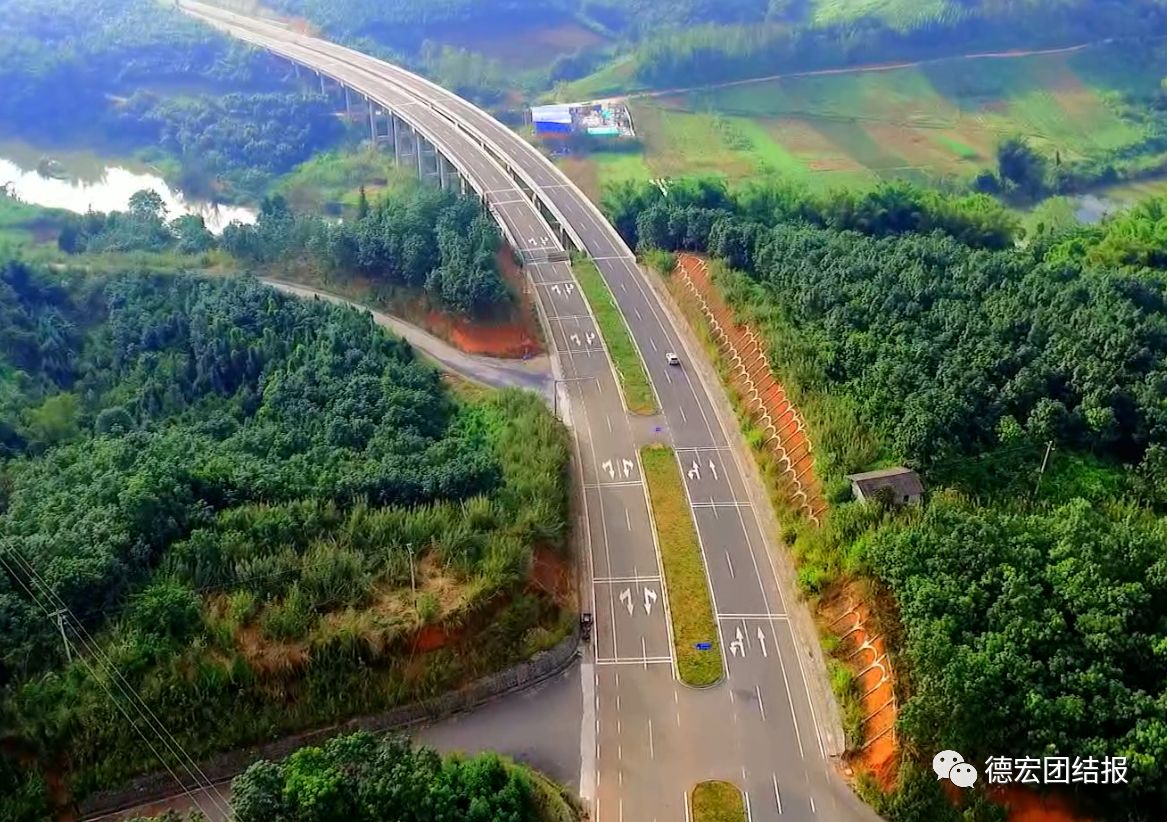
(585, 626)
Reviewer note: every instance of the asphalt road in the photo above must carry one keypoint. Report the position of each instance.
(770, 727)
(503, 725)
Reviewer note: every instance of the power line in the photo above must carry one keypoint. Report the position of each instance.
(145, 714)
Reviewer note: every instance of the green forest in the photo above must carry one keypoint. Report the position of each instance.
(419, 240)
(364, 778)
(244, 504)
(910, 329)
(143, 78)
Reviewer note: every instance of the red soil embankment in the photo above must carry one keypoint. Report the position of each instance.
(516, 337)
(766, 402)
(847, 615)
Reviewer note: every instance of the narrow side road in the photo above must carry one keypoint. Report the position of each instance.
(533, 374)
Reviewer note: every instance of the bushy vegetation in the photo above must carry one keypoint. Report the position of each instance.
(418, 238)
(1028, 597)
(252, 504)
(361, 777)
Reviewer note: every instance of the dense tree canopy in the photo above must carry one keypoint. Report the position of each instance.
(1032, 605)
(425, 238)
(59, 59)
(361, 778)
(227, 488)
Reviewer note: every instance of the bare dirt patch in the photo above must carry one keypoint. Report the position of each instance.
(847, 615)
(552, 575)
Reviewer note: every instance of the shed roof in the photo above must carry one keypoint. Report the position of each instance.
(905, 481)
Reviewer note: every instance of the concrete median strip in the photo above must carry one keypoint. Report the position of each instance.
(717, 801)
(695, 634)
(629, 367)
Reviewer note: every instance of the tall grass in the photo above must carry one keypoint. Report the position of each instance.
(690, 603)
(629, 368)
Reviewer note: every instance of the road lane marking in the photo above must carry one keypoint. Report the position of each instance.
(730, 563)
(684, 419)
(588, 735)
(620, 580)
(777, 795)
(637, 310)
(608, 419)
(749, 811)
(645, 661)
(761, 704)
(651, 340)
(628, 519)
(613, 484)
(715, 504)
(812, 805)
(651, 747)
(766, 617)
(644, 650)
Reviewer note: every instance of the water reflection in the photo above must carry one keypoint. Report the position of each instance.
(84, 185)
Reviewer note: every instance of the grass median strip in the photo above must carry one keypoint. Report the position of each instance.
(717, 801)
(691, 609)
(629, 368)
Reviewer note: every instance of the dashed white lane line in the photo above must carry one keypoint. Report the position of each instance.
(761, 704)
(651, 746)
(628, 519)
(637, 310)
(653, 342)
(777, 795)
(729, 562)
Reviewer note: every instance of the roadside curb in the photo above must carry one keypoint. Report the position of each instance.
(801, 623)
(157, 786)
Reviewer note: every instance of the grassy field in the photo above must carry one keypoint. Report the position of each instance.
(940, 120)
(690, 605)
(629, 368)
(331, 181)
(717, 801)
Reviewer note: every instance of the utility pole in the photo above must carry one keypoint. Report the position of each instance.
(60, 617)
(1049, 447)
(412, 578)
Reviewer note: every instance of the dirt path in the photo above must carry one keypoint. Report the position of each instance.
(533, 374)
(865, 69)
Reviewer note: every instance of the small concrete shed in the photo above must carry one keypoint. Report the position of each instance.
(906, 487)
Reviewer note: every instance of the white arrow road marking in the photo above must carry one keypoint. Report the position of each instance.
(626, 598)
(738, 645)
(570, 288)
(694, 472)
(555, 288)
(607, 466)
(575, 339)
(627, 468)
(713, 468)
(649, 599)
(591, 339)
(762, 639)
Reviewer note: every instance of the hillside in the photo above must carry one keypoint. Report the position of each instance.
(232, 494)
(1023, 603)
